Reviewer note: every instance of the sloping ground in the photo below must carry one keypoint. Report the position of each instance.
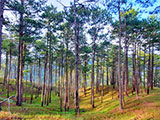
(146, 108)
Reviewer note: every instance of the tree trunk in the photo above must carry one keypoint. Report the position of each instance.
(5, 73)
(1, 25)
(9, 74)
(26, 86)
(107, 76)
(61, 82)
(66, 82)
(31, 82)
(152, 67)
(85, 79)
(44, 81)
(76, 60)
(39, 75)
(92, 81)
(119, 58)
(56, 87)
(134, 70)
(144, 75)
(149, 74)
(97, 76)
(20, 61)
(156, 76)
(71, 80)
(102, 78)
(139, 69)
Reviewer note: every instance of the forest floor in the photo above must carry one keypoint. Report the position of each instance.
(146, 108)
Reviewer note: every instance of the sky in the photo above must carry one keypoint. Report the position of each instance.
(58, 5)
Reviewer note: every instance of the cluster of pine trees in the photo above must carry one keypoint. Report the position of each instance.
(59, 52)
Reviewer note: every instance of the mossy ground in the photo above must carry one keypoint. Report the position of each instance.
(146, 108)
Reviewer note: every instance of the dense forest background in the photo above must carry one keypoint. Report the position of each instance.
(99, 46)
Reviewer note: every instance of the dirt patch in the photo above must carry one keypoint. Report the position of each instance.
(9, 116)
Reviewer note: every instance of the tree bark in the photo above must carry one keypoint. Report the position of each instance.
(119, 57)
(5, 73)
(61, 82)
(92, 81)
(85, 79)
(152, 67)
(20, 61)
(144, 75)
(31, 82)
(1, 26)
(149, 74)
(39, 75)
(76, 60)
(97, 76)
(9, 74)
(44, 81)
(66, 82)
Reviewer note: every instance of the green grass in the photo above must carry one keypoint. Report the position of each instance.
(146, 108)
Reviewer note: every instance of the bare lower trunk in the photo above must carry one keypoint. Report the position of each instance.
(149, 74)
(39, 75)
(97, 76)
(152, 67)
(61, 81)
(9, 74)
(144, 75)
(5, 73)
(66, 97)
(156, 76)
(44, 81)
(85, 79)
(31, 81)
(92, 80)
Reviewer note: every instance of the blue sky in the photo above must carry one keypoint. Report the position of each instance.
(58, 5)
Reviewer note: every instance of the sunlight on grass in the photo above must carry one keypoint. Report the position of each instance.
(146, 108)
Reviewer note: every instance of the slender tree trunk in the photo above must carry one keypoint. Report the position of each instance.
(139, 69)
(102, 78)
(59, 86)
(119, 58)
(149, 74)
(9, 74)
(152, 67)
(44, 81)
(134, 70)
(20, 62)
(39, 75)
(49, 80)
(144, 74)
(92, 81)
(66, 82)
(55, 84)
(85, 79)
(1, 25)
(31, 82)
(97, 76)
(76, 60)
(26, 86)
(107, 76)
(61, 81)
(71, 79)
(5, 73)
(156, 76)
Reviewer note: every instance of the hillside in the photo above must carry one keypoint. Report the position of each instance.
(146, 108)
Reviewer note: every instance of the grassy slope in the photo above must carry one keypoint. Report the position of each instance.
(146, 108)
